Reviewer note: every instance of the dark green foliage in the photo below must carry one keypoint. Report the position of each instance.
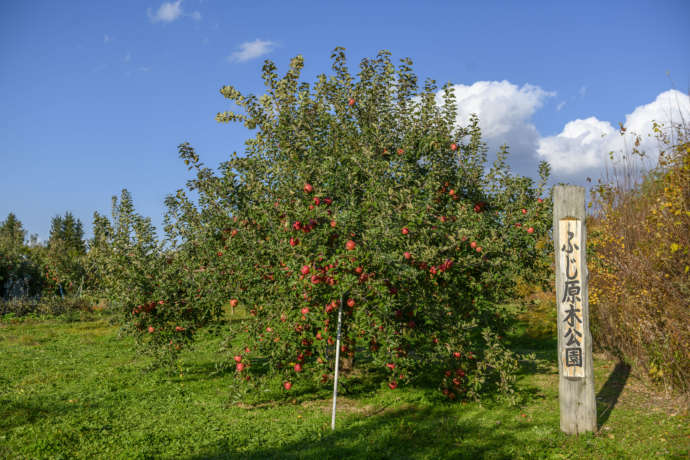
(68, 232)
(20, 265)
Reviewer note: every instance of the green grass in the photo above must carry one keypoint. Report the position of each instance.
(79, 390)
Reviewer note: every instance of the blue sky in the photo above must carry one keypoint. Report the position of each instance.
(97, 95)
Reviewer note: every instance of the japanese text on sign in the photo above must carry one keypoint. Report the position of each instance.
(570, 304)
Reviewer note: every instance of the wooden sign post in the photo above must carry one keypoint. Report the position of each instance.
(575, 366)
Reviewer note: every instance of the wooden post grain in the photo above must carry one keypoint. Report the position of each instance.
(575, 366)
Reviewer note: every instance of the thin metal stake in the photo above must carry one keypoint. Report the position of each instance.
(337, 362)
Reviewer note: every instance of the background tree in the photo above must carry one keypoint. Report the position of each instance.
(20, 266)
(69, 231)
(65, 255)
(11, 231)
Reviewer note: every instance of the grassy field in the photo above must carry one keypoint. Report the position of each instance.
(76, 389)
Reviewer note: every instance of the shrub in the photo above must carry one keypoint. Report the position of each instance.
(149, 287)
(361, 193)
(640, 242)
(46, 305)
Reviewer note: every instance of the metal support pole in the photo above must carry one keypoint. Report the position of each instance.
(337, 362)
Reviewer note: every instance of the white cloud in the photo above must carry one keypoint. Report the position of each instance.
(252, 50)
(107, 38)
(167, 12)
(505, 113)
(583, 146)
(196, 16)
(586, 144)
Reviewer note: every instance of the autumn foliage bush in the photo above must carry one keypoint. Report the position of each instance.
(640, 269)
(361, 193)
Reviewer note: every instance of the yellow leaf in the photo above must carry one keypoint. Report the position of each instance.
(674, 247)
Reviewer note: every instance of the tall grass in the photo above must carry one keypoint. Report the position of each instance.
(640, 258)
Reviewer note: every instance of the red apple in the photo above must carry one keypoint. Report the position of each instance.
(453, 146)
(390, 366)
(530, 230)
(238, 358)
(239, 367)
(473, 244)
(308, 188)
(287, 385)
(540, 200)
(305, 269)
(151, 329)
(350, 245)
(479, 249)
(393, 385)
(317, 200)
(294, 241)
(524, 211)
(405, 231)
(298, 367)
(333, 224)
(233, 303)
(456, 354)
(304, 310)
(351, 102)
(350, 303)
(400, 151)
(407, 255)
(179, 328)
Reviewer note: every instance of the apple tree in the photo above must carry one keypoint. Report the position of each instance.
(361, 191)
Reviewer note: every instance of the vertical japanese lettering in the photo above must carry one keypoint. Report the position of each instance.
(570, 305)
